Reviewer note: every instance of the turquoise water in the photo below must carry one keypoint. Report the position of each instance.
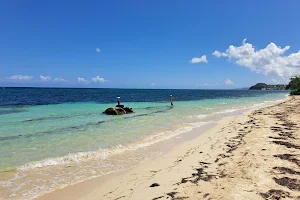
(44, 139)
(56, 130)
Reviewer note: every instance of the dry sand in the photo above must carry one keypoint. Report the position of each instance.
(254, 156)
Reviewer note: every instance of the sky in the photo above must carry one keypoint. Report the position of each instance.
(194, 44)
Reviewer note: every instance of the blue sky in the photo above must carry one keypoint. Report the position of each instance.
(148, 44)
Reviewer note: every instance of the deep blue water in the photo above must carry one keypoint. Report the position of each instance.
(46, 96)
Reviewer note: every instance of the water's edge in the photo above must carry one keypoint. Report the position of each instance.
(172, 143)
(92, 164)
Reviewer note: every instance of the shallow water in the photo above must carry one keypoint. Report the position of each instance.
(50, 138)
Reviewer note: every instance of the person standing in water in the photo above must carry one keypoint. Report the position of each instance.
(119, 101)
(171, 100)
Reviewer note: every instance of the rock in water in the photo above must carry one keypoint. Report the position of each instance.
(120, 111)
(128, 110)
(110, 111)
(115, 111)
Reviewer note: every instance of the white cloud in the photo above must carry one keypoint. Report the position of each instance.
(269, 60)
(153, 84)
(20, 77)
(60, 79)
(228, 82)
(98, 79)
(219, 54)
(98, 50)
(199, 60)
(81, 80)
(45, 78)
(278, 80)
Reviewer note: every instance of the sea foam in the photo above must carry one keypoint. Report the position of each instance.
(119, 149)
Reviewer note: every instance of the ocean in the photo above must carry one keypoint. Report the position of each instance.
(54, 137)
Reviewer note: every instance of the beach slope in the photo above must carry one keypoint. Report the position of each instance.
(254, 156)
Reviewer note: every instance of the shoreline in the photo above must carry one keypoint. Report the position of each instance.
(197, 168)
(38, 178)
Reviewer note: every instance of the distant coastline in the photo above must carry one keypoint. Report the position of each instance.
(264, 86)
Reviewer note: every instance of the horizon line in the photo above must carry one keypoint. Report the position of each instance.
(45, 87)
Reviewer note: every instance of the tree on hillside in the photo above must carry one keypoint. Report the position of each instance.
(294, 85)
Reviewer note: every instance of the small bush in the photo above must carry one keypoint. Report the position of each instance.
(294, 85)
(295, 92)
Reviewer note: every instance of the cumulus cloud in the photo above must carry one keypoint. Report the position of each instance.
(98, 50)
(269, 60)
(45, 78)
(98, 79)
(199, 60)
(219, 54)
(60, 79)
(228, 82)
(81, 80)
(20, 77)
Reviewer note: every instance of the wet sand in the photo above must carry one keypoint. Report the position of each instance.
(253, 156)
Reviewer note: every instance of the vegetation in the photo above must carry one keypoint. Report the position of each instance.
(294, 85)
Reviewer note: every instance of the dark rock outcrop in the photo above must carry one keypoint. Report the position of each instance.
(118, 111)
(115, 111)
(128, 110)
